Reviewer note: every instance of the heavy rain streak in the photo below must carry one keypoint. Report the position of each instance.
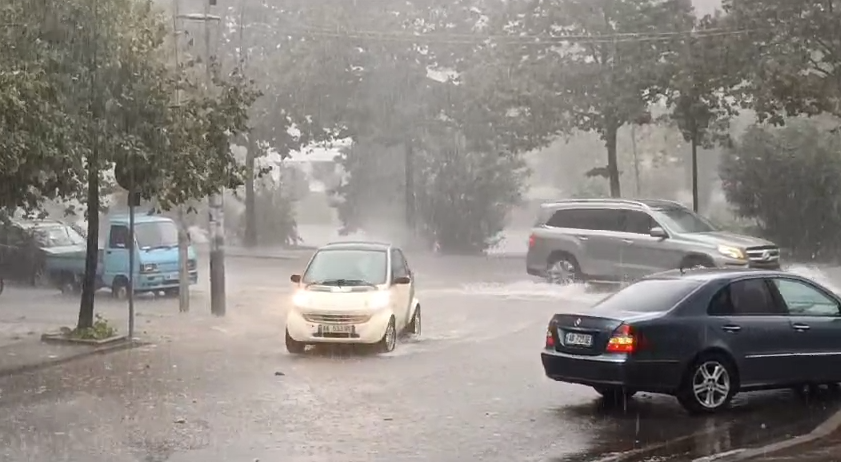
(420, 230)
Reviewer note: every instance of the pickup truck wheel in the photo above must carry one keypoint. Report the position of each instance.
(172, 292)
(119, 289)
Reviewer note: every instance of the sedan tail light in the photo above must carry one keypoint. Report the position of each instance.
(550, 338)
(622, 340)
(531, 240)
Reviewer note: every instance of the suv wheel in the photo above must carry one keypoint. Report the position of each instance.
(562, 270)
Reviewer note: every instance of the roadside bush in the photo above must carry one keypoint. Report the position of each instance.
(462, 196)
(789, 181)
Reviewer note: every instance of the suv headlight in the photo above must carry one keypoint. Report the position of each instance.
(732, 252)
(379, 300)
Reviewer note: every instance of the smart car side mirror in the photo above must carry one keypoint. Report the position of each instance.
(658, 232)
(296, 278)
(403, 280)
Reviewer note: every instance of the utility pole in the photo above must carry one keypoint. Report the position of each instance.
(215, 201)
(183, 240)
(217, 217)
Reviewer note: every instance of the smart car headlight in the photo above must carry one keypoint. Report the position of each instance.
(301, 299)
(379, 300)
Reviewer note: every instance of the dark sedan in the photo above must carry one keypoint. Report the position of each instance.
(701, 336)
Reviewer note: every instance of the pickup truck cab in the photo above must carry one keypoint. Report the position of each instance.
(156, 261)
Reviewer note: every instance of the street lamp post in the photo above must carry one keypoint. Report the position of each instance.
(217, 221)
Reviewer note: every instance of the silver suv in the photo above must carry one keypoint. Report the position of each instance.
(615, 239)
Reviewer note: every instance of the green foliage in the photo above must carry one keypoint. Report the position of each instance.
(791, 57)
(81, 76)
(591, 84)
(100, 330)
(698, 82)
(461, 197)
(789, 181)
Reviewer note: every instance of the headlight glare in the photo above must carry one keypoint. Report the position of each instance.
(379, 300)
(732, 252)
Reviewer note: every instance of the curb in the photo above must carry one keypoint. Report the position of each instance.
(262, 257)
(32, 367)
(829, 426)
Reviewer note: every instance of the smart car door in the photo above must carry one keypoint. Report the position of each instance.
(815, 319)
(400, 292)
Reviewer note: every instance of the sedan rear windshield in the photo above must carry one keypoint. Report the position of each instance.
(650, 295)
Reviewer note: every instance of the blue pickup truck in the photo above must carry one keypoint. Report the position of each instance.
(156, 259)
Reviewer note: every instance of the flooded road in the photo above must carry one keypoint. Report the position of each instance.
(472, 388)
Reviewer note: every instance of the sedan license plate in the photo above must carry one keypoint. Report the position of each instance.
(335, 329)
(574, 339)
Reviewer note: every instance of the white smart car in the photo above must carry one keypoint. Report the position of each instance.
(353, 292)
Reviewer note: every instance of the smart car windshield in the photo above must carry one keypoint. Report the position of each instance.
(347, 267)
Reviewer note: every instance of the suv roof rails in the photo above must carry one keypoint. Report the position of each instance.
(647, 203)
(589, 201)
(357, 242)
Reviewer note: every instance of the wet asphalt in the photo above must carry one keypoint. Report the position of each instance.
(471, 388)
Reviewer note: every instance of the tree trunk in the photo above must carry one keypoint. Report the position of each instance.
(251, 238)
(612, 161)
(695, 201)
(409, 193)
(92, 253)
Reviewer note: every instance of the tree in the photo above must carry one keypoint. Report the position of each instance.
(37, 147)
(299, 78)
(110, 79)
(789, 181)
(573, 79)
(698, 82)
(790, 55)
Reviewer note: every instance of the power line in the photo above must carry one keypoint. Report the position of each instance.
(507, 40)
(303, 30)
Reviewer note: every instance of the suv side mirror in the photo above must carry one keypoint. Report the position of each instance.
(658, 232)
(402, 280)
(296, 278)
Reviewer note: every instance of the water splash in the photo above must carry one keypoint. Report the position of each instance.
(817, 274)
(523, 290)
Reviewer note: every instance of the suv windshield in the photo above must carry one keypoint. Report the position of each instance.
(649, 295)
(156, 235)
(682, 220)
(352, 267)
(57, 236)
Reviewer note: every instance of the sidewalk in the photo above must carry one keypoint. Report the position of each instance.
(823, 450)
(26, 314)
(823, 444)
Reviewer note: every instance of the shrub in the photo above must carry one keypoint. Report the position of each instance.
(789, 181)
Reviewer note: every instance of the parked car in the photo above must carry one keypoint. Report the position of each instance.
(156, 262)
(26, 246)
(701, 335)
(353, 292)
(615, 240)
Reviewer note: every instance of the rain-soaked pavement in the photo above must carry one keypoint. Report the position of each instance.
(471, 389)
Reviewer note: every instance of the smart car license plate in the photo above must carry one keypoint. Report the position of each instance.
(335, 329)
(572, 338)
